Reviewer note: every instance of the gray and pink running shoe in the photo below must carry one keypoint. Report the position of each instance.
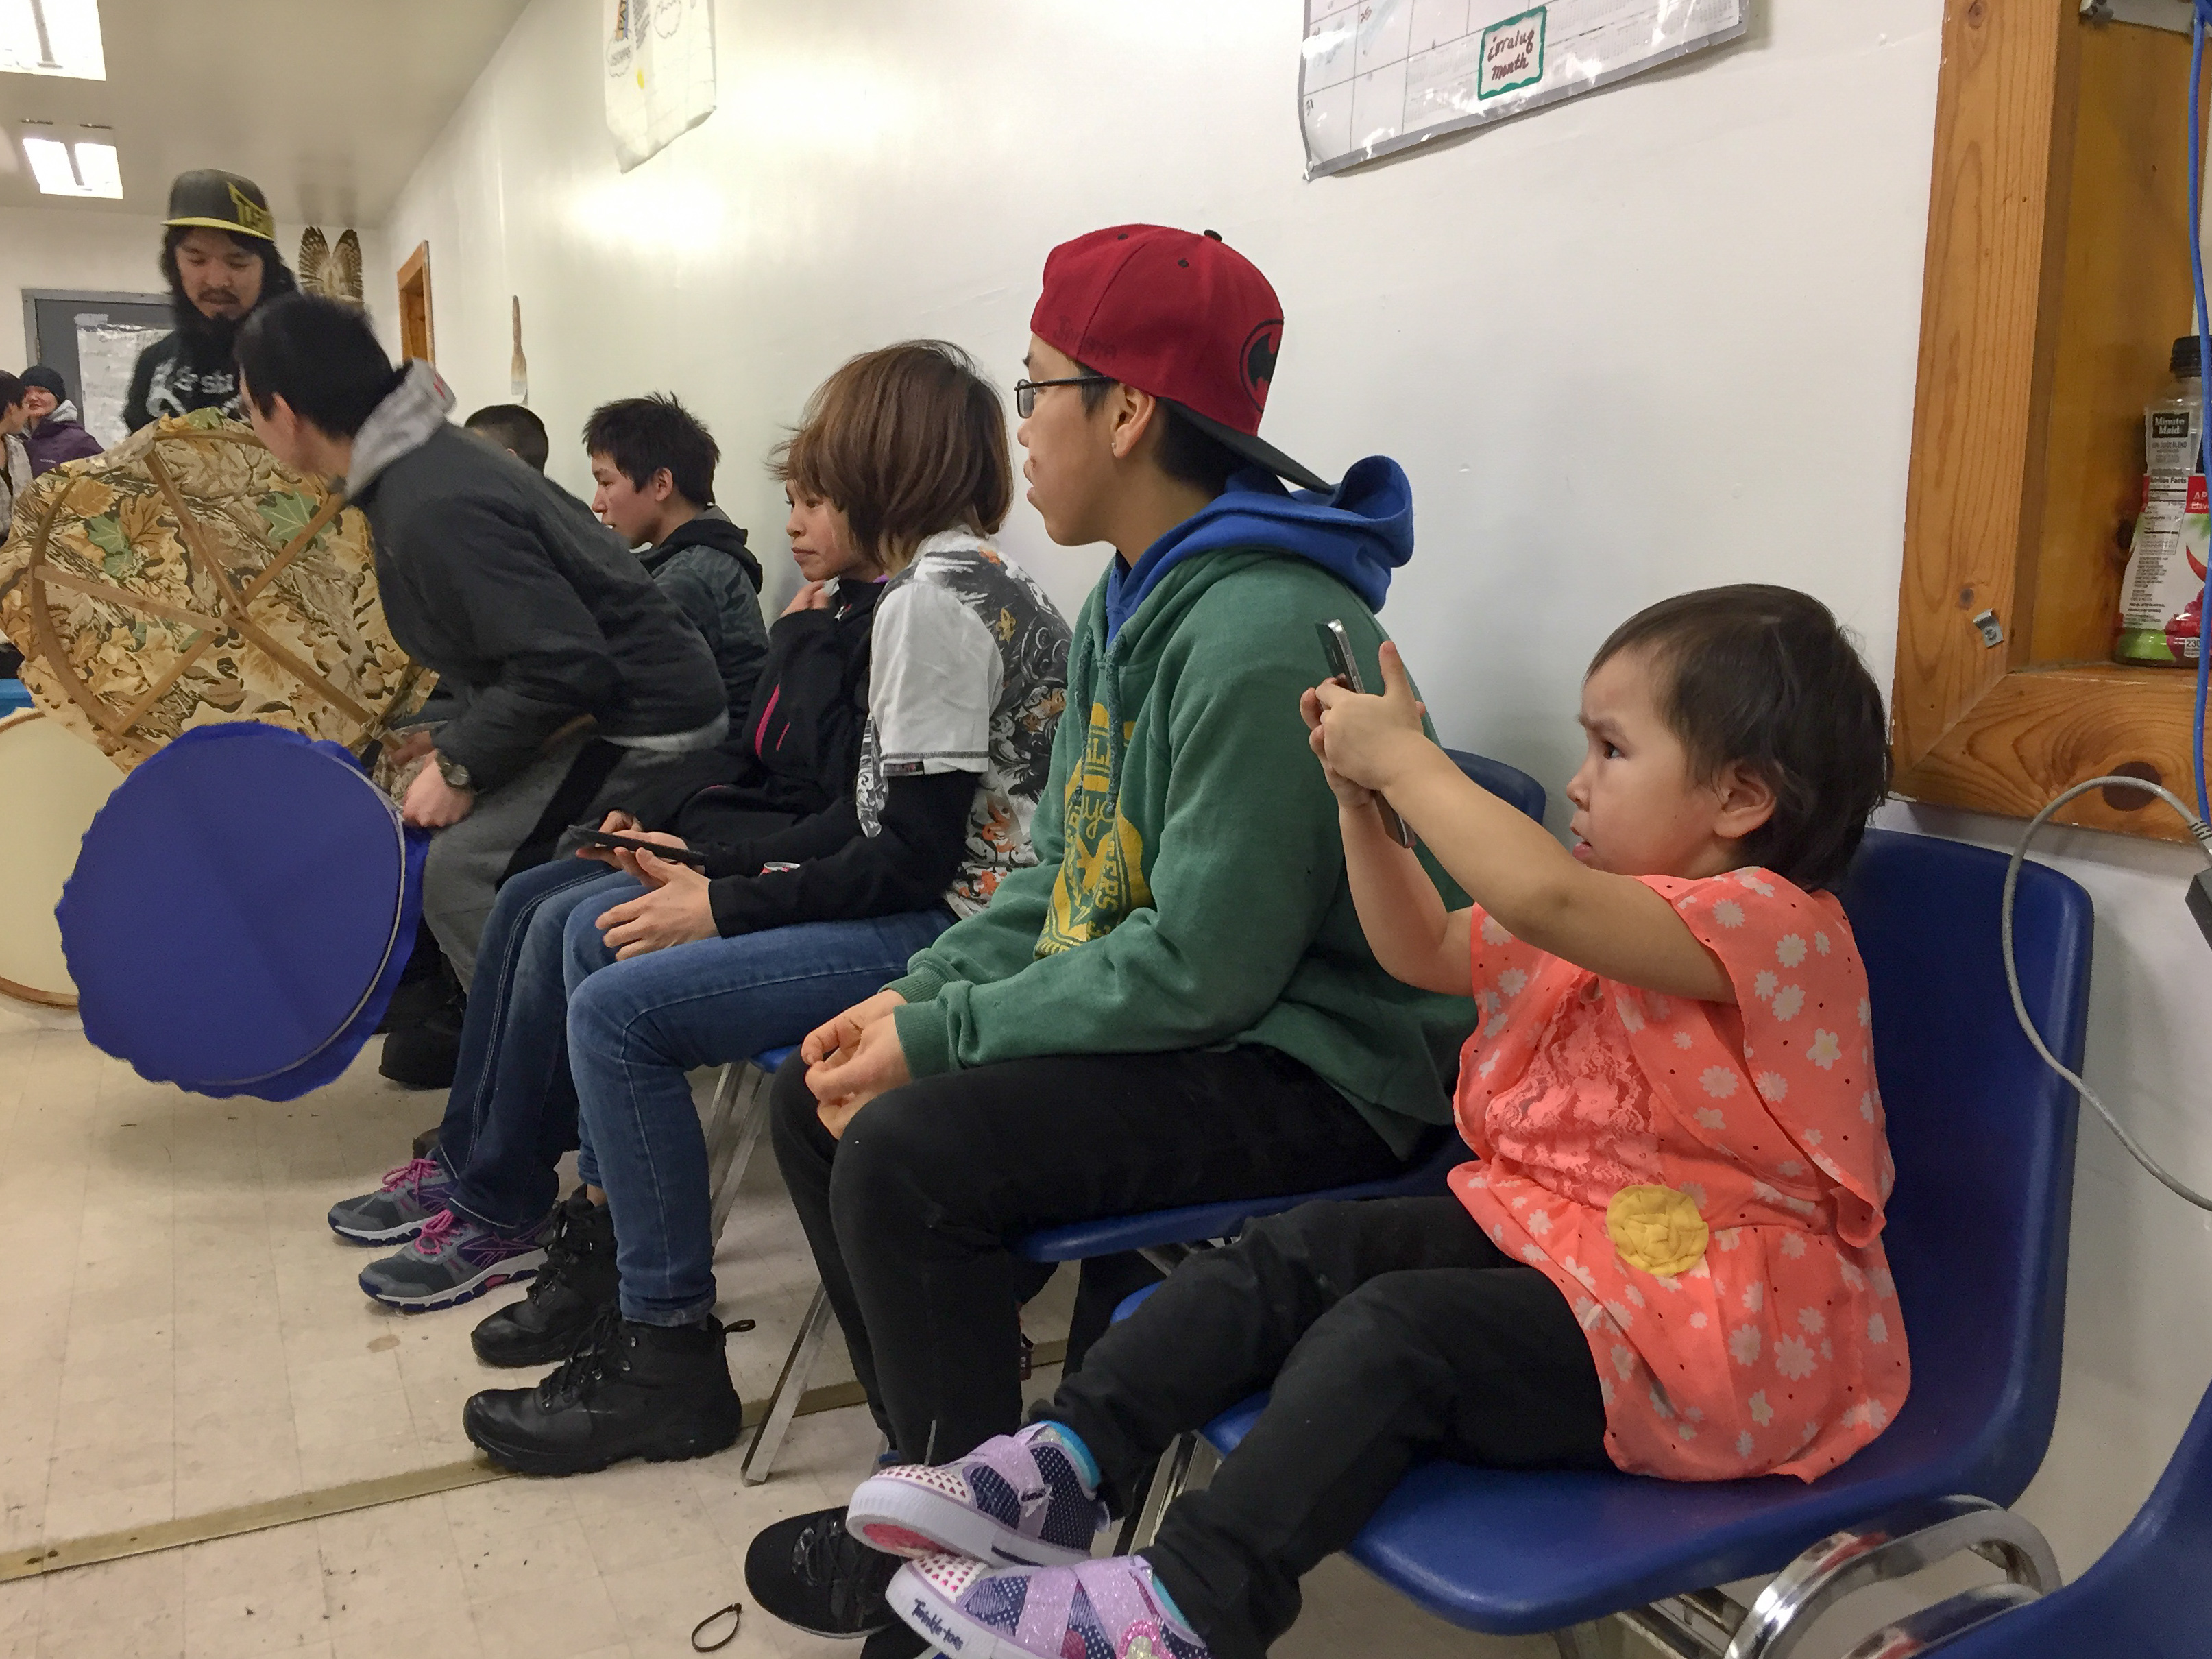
(1109, 1609)
(452, 1259)
(396, 1211)
(1015, 1499)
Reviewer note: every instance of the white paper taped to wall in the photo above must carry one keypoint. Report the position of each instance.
(659, 72)
(1378, 76)
(106, 356)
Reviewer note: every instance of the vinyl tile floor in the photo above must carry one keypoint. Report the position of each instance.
(186, 1335)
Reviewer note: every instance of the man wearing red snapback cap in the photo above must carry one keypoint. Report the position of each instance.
(1176, 1005)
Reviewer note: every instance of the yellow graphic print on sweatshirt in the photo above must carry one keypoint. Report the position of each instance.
(1102, 870)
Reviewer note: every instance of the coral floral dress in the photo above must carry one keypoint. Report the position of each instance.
(1704, 1183)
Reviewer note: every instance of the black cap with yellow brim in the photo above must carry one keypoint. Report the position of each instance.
(221, 201)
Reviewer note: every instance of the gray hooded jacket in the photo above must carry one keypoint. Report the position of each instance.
(531, 610)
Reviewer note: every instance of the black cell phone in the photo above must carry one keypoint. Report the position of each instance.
(1344, 668)
(592, 837)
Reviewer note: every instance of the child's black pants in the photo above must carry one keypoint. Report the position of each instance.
(1387, 1332)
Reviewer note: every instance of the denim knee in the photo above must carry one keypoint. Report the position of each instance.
(584, 948)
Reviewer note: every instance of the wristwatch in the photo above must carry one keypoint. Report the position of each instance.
(455, 774)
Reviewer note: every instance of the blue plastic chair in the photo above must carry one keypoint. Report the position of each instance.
(1509, 783)
(1160, 1234)
(2147, 1597)
(1983, 1136)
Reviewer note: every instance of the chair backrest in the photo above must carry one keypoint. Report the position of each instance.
(1509, 783)
(1982, 1133)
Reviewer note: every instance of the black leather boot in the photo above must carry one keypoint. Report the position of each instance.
(574, 1287)
(659, 1392)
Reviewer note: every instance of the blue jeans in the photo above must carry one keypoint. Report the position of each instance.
(635, 1027)
(513, 1109)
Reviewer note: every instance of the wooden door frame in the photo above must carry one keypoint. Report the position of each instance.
(415, 275)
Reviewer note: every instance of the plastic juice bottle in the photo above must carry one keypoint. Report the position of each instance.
(2162, 595)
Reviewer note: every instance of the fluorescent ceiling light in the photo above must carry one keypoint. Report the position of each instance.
(84, 168)
(52, 36)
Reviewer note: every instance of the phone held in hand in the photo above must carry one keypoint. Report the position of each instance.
(590, 836)
(1344, 668)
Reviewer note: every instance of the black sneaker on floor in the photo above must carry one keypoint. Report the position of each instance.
(427, 1142)
(422, 1048)
(897, 1640)
(571, 1292)
(423, 1056)
(816, 1576)
(657, 1392)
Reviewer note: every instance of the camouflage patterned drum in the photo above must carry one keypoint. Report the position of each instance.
(187, 578)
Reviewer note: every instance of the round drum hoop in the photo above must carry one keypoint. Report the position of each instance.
(65, 776)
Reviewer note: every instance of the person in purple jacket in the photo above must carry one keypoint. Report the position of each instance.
(55, 433)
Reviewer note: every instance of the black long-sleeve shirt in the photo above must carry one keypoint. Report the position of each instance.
(842, 874)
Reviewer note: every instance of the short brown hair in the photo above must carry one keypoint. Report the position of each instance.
(1767, 679)
(905, 441)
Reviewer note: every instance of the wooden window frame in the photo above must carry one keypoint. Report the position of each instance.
(2025, 456)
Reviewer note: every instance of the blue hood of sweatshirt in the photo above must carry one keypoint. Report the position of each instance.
(1361, 533)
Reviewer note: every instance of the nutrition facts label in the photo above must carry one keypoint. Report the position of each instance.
(1378, 76)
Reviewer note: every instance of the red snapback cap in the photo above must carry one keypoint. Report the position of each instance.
(1182, 316)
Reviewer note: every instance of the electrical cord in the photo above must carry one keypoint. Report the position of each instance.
(2203, 832)
(2201, 16)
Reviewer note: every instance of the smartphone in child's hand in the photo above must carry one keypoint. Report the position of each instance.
(591, 836)
(1344, 668)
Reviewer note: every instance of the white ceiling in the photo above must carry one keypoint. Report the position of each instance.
(327, 104)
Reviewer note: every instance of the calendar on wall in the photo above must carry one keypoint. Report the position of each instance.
(659, 72)
(1375, 76)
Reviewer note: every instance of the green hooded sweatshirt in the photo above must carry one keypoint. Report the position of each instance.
(1189, 891)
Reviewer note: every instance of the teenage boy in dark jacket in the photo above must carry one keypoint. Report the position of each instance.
(653, 462)
(544, 630)
(1175, 1005)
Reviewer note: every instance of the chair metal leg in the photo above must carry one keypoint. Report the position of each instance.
(1579, 1642)
(717, 1126)
(1167, 1482)
(741, 1139)
(759, 1456)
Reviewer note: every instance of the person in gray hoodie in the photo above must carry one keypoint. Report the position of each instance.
(549, 638)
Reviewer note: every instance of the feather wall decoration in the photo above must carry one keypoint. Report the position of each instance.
(333, 271)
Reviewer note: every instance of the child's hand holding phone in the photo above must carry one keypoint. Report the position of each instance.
(1350, 729)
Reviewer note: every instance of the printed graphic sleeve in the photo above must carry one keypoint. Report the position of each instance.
(934, 681)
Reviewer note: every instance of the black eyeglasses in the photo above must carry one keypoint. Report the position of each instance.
(1025, 392)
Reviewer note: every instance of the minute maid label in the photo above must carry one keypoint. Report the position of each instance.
(2162, 596)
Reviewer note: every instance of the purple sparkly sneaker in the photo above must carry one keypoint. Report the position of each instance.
(1109, 1609)
(1016, 1499)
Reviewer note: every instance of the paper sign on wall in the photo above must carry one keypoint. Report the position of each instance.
(660, 70)
(1378, 76)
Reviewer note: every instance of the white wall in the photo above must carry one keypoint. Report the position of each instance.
(61, 247)
(1655, 339)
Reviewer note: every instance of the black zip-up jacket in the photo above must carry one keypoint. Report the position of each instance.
(705, 567)
(798, 749)
(515, 594)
